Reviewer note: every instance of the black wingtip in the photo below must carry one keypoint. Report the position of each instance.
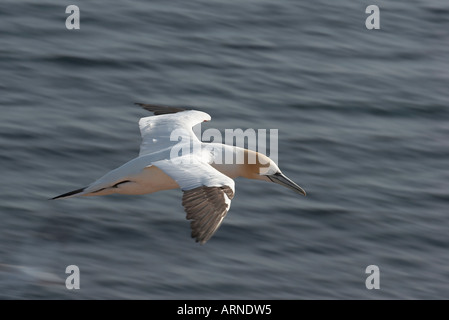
(160, 109)
(71, 193)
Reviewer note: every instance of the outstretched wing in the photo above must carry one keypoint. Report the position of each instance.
(168, 127)
(207, 193)
(159, 109)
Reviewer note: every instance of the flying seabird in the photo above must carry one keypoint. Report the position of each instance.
(205, 179)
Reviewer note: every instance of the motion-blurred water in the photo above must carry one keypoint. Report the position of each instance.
(363, 127)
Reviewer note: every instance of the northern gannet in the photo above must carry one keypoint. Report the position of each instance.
(205, 179)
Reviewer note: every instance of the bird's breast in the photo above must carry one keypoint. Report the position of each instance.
(231, 170)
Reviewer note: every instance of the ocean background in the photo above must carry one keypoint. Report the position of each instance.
(363, 121)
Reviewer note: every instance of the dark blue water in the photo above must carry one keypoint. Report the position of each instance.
(363, 123)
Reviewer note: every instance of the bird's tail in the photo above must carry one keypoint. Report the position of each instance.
(70, 194)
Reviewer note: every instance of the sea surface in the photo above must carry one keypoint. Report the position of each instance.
(363, 120)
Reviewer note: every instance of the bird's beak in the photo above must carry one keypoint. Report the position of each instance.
(281, 179)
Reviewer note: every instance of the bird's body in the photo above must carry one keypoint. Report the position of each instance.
(172, 157)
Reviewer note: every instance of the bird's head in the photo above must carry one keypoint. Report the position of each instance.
(260, 167)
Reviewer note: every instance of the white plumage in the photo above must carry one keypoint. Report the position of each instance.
(171, 156)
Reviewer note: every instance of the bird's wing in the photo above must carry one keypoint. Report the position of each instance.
(168, 127)
(207, 193)
(160, 109)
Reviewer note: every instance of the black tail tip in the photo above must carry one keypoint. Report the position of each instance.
(68, 194)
